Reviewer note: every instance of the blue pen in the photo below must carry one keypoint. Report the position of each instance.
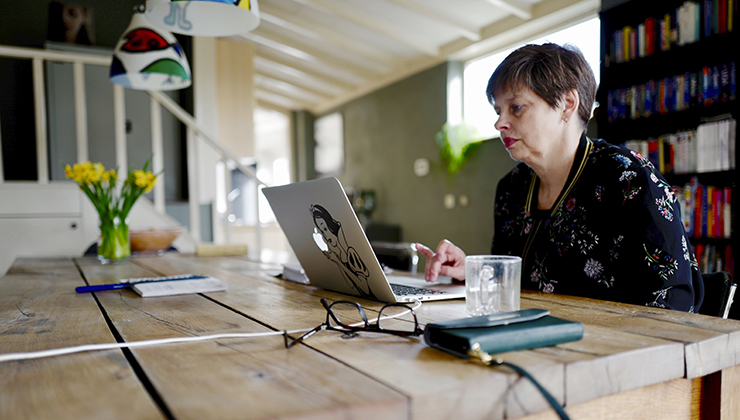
(101, 287)
(115, 286)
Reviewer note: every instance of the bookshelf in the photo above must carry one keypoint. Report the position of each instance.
(668, 90)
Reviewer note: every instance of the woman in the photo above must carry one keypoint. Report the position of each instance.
(588, 218)
(353, 269)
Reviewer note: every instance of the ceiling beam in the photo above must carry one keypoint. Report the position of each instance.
(461, 27)
(342, 79)
(333, 54)
(515, 7)
(292, 75)
(278, 101)
(290, 82)
(286, 89)
(304, 60)
(374, 24)
(322, 33)
(273, 107)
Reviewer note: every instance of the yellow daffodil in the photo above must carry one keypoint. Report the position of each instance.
(112, 202)
(100, 186)
(151, 179)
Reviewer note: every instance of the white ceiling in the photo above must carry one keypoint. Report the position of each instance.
(317, 54)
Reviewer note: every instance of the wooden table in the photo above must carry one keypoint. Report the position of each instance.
(633, 362)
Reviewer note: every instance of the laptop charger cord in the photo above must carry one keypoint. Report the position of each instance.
(9, 357)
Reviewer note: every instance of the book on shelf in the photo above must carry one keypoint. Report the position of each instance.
(709, 148)
(690, 22)
(626, 43)
(691, 89)
(650, 31)
(707, 15)
(713, 258)
(727, 211)
(706, 209)
(707, 213)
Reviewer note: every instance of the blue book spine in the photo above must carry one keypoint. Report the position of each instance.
(707, 18)
(715, 83)
(648, 107)
(622, 101)
(686, 90)
(693, 90)
(706, 84)
(724, 83)
(733, 83)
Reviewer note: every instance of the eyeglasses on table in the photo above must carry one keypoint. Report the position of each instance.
(394, 318)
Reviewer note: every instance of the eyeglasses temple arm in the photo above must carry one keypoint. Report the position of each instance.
(293, 342)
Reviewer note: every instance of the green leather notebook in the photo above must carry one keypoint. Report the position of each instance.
(516, 333)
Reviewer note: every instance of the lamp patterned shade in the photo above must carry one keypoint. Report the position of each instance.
(147, 57)
(204, 17)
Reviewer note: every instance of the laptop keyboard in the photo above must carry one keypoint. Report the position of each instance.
(400, 290)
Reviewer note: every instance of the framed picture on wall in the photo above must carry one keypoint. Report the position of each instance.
(71, 23)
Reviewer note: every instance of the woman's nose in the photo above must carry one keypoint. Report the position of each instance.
(501, 124)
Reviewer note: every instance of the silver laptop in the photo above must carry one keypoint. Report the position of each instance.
(331, 245)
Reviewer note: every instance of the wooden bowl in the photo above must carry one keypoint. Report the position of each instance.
(155, 240)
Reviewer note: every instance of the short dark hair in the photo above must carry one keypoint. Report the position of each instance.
(319, 212)
(550, 71)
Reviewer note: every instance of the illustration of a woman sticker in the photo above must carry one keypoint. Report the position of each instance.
(350, 264)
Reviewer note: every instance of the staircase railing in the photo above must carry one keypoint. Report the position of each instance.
(195, 132)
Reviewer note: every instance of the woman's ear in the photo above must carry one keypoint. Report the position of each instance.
(571, 102)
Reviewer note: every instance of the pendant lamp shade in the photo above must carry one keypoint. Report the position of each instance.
(149, 58)
(204, 17)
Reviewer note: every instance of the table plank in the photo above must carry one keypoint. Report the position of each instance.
(39, 310)
(247, 378)
(710, 343)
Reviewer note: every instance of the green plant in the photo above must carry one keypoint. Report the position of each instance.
(457, 143)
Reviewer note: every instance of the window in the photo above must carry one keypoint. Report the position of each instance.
(476, 109)
(272, 147)
(329, 153)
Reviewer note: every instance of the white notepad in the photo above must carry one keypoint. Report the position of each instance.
(178, 286)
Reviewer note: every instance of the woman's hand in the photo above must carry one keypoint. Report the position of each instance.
(448, 260)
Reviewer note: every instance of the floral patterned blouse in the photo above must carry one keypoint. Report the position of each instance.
(615, 232)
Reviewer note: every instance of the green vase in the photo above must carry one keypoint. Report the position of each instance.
(113, 244)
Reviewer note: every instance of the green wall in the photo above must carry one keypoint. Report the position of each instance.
(386, 131)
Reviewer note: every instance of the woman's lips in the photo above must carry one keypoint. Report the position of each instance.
(508, 141)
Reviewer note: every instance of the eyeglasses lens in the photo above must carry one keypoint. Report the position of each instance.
(397, 318)
(346, 314)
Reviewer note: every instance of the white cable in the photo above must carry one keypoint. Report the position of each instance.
(417, 304)
(9, 357)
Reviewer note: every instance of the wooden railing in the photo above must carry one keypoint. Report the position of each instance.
(195, 133)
